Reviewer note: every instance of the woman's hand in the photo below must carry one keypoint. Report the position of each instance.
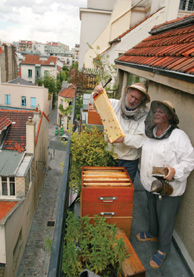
(171, 173)
(98, 89)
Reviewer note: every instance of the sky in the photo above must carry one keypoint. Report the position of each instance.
(41, 20)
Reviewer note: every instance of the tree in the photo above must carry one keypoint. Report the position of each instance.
(51, 83)
(105, 70)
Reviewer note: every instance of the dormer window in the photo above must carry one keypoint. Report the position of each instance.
(7, 186)
(5, 124)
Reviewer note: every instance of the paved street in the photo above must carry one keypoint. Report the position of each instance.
(35, 261)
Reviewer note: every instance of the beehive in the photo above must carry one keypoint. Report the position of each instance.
(109, 119)
(108, 191)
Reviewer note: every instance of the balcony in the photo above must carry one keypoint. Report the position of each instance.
(174, 265)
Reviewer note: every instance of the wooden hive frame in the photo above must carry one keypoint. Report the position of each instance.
(109, 119)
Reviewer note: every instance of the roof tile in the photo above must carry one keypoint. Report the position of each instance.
(68, 92)
(5, 207)
(17, 131)
(35, 59)
(171, 49)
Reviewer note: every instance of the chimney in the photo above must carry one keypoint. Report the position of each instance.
(37, 115)
(30, 135)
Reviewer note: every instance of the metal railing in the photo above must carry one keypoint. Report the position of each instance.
(57, 245)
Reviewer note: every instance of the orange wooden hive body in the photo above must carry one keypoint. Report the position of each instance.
(108, 191)
(93, 116)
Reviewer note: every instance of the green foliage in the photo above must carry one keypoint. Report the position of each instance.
(88, 148)
(106, 70)
(78, 106)
(68, 110)
(92, 246)
(51, 83)
(48, 244)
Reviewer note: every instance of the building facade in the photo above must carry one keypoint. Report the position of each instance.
(23, 163)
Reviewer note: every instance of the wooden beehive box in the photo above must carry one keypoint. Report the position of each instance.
(93, 116)
(108, 191)
(111, 124)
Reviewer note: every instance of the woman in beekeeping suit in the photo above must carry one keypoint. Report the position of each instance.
(166, 147)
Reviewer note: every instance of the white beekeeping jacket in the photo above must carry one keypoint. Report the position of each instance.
(175, 151)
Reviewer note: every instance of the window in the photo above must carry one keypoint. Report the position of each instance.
(7, 186)
(4, 186)
(46, 73)
(30, 73)
(61, 102)
(12, 185)
(7, 99)
(33, 102)
(23, 101)
(186, 5)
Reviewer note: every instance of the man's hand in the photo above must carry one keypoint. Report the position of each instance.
(98, 89)
(171, 173)
(121, 139)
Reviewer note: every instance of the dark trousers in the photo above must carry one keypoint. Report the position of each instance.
(162, 215)
(131, 167)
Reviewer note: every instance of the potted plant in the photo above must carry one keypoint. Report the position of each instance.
(93, 246)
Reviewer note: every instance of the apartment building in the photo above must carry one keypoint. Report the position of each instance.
(23, 163)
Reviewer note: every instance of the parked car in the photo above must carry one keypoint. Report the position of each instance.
(65, 137)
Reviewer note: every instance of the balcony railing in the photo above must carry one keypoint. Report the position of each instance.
(60, 226)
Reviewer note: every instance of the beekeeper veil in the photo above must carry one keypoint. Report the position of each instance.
(139, 111)
(169, 109)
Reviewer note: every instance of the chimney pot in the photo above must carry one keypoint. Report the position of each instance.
(29, 118)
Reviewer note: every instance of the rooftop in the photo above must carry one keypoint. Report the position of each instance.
(21, 81)
(36, 59)
(169, 48)
(68, 92)
(5, 207)
(9, 162)
(16, 137)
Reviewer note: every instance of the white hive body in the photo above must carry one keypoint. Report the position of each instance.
(111, 124)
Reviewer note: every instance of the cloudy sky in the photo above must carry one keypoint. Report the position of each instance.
(41, 20)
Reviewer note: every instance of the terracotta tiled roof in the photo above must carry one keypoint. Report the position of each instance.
(16, 138)
(5, 207)
(53, 43)
(169, 48)
(4, 123)
(68, 92)
(35, 59)
(1, 50)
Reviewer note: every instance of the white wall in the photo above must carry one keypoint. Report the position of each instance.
(24, 73)
(92, 24)
(25, 67)
(2, 245)
(101, 4)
